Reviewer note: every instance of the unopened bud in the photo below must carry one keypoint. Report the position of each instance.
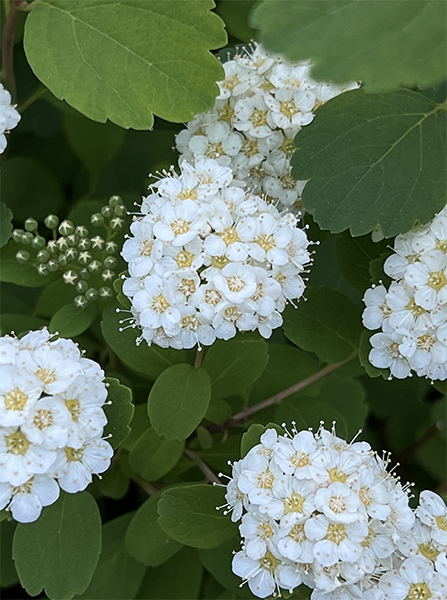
(31, 224)
(38, 242)
(84, 258)
(66, 228)
(97, 220)
(17, 235)
(52, 246)
(95, 266)
(22, 256)
(108, 275)
(43, 256)
(105, 292)
(120, 210)
(43, 270)
(84, 244)
(71, 254)
(52, 221)
(27, 238)
(84, 273)
(107, 211)
(115, 201)
(80, 301)
(110, 262)
(53, 265)
(117, 223)
(72, 240)
(111, 247)
(91, 294)
(70, 277)
(62, 259)
(81, 231)
(62, 243)
(81, 286)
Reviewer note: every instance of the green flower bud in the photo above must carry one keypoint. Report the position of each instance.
(43, 256)
(53, 265)
(62, 243)
(17, 235)
(66, 228)
(38, 242)
(63, 261)
(111, 247)
(108, 275)
(81, 286)
(81, 231)
(84, 273)
(110, 262)
(105, 292)
(107, 211)
(84, 258)
(97, 220)
(80, 301)
(71, 277)
(22, 256)
(31, 224)
(91, 294)
(114, 201)
(84, 244)
(95, 266)
(43, 270)
(52, 221)
(117, 223)
(97, 242)
(120, 210)
(72, 240)
(52, 246)
(27, 238)
(71, 254)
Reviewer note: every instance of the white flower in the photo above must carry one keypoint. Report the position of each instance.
(20, 459)
(51, 366)
(293, 500)
(414, 579)
(19, 391)
(253, 116)
(29, 498)
(291, 107)
(48, 423)
(218, 142)
(338, 502)
(377, 309)
(258, 531)
(433, 512)
(429, 279)
(9, 116)
(386, 354)
(260, 574)
(143, 250)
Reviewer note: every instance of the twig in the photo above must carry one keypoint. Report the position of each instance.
(146, 486)
(202, 466)
(8, 45)
(199, 358)
(245, 414)
(41, 91)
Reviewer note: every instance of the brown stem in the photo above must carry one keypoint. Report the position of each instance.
(199, 358)
(245, 414)
(202, 466)
(146, 486)
(8, 46)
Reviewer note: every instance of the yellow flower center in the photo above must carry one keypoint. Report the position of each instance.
(186, 194)
(232, 314)
(366, 495)
(336, 532)
(187, 287)
(266, 241)
(441, 245)
(419, 591)
(16, 443)
(415, 310)
(214, 150)
(266, 479)
(25, 488)
(429, 550)
(74, 407)
(225, 113)
(437, 280)
(336, 474)
(73, 454)
(229, 236)
(258, 117)
(337, 504)
(425, 342)
(369, 538)
(15, 399)
(299, 459)
(146, 248)
(265, 531)
(441, 522)
(180, 226)
(235, 283)
(46, 375)
(297, 533)
(213, 297)
(287, 146)
(250, 147)
(43, 419)
(269, 562)
(184, 259)
(191, 323)
(231, 82)
(294, 503)
(258, 171)
(219, 261)
(159, 304)
(288, 108)
(288, 182)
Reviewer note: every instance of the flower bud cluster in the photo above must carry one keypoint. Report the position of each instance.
(263, 102)
(87, 263)
(207, 259)
(412, 313)
(319, 511)
(9, 116)
(51, 422)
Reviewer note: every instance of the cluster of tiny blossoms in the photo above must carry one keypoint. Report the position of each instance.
(412, 313)
(9, 117)
(51, 422)
(263, 102)
(325, 513)
(206, 259)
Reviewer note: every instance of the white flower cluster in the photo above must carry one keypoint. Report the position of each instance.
(51, 422)
(412, 313)
(9, 117)
(320, 511)
(207, 259)
(263, 102)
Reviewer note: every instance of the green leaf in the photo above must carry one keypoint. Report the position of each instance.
(253, 435)
(21, 274)
(31, 189)
(140, 422)
(328, 324)
(117, 575)
(149, 361)
(59, 552)
(432, 456)
(177, 579)
(188, 514)
(178, 401)
(218, 562)
(114, 483)
(70, 321)
(145, 540)
(374, 159)
(82, 212)
(235, 364)
(8, 573)
(154, 456)
(354, 256)
(236, 15)
(339, 400)
(5, 224)
(53, 297)
(93, 143)
(119, 413)
(384, 44)
(127, 63)
(19, 323)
